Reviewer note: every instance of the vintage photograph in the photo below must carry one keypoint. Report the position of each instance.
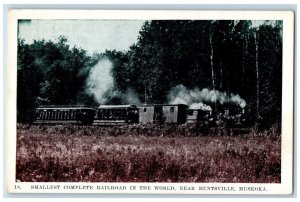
(149, 101)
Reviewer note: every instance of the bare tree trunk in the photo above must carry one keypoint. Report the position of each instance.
(246, 51)
(257, 74)
(243, 62)
(212, 58)
(221, 76)
(145, 95)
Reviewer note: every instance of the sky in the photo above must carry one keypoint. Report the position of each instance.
(90, 35)
(257, 23)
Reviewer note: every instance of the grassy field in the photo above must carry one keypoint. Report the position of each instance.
(144, 154)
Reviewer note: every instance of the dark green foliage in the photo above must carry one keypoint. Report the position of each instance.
(218, 55)
(271, 72)
(169, 53)
(48, 73)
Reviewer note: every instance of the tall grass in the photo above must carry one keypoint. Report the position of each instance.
(144, 154)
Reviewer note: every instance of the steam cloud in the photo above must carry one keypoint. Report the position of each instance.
(101, 85)
(195, 97)
(100, 80)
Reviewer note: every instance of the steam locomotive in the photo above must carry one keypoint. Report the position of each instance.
(143, 114)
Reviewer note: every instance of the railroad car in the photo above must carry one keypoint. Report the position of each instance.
(163, 113)
(199, 115)
(57, 114)
(116, 114)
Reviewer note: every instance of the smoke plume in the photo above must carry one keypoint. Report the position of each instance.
(101, 85)
(196, 98)
(100, 80)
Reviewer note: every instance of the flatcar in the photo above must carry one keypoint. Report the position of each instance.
(116, 114)
(57, 114)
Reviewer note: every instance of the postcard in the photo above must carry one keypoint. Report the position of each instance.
(150, 102)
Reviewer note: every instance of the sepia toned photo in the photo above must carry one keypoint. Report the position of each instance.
(152, 103)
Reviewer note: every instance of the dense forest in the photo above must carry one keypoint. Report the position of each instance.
(231, 58)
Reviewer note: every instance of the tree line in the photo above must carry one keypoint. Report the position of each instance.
(229, 56)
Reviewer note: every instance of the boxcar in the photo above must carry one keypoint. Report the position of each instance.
(150, 114)
(65, 114)
(175, 113)
(163, 113)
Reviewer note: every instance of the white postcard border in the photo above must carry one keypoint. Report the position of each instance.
(285, 187)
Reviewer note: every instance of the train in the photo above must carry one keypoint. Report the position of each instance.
(139, 114)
